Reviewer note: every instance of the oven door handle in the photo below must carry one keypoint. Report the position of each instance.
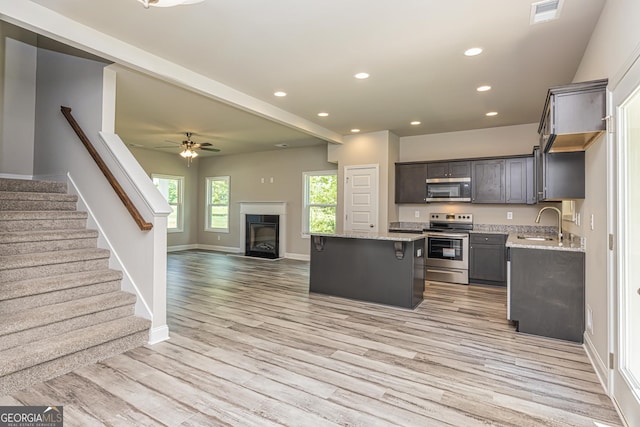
(431, 270)
(448, 235)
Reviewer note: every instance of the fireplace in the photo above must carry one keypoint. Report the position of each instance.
(262, 236)
(267, 211)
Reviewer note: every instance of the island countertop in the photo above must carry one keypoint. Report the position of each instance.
(379, 235)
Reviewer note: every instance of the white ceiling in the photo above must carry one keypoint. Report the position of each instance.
(413, 50)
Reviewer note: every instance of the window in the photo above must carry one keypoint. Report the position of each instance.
(217, 204)
(172, 188)
(320, 202)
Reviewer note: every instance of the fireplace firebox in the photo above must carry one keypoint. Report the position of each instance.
(262, 236)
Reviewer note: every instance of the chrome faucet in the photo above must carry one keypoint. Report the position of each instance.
(559, 219)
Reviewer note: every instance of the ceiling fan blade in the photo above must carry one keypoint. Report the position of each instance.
(211, 149)
(164, 146)
(205, 144)
(173, 142)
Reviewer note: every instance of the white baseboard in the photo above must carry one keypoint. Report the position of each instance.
(597, 362)
(181, 247)
(298, 257)
(229, 249)
(159, 334)
(15, 176)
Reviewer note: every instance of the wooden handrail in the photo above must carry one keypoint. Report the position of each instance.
(144, 226)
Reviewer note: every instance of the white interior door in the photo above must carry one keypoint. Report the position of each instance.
(626, 373)
(361, 198)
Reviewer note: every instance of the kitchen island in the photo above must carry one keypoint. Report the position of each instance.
(385, 268)
(546, 285)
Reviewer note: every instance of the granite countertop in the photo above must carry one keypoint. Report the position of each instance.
(381, 235)
(569, 242)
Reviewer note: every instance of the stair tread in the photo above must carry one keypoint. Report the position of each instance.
(22, 288)
(32, 318)
(33, 196)
(10, 262)
(40, 235)
(10, 184)
(34, 215)
(31, 354)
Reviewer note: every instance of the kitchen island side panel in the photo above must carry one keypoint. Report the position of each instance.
(368, 270)
(547, 292)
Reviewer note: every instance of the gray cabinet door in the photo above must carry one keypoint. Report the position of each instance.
(488, 182)
(564, 175)
(488, 259)
(438, 170)
(459, 169)
(411, 183)
(516, 180)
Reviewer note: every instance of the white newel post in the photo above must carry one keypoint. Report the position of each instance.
(264, 208)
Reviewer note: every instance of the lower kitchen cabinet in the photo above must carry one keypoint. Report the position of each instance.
(547, 292)
(488, 259)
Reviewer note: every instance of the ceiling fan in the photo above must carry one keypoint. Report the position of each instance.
(189, 147)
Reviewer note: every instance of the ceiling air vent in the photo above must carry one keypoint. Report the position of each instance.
(544, 11)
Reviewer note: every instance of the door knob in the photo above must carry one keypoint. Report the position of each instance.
(370, 225)
(638, 291)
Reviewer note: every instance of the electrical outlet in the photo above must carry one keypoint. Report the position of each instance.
(218, 237)
(589, 320)
(261, 180)
(417, 214)
(509, 215)
(271, 180)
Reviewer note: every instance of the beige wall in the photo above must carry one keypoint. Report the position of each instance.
(500, 141)
(172, 164)
(613, 47)
(245, 172)
(375, 148)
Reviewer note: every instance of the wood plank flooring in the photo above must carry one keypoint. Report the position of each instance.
(250, 347)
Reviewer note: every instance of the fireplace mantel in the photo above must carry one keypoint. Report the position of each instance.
(264, 208)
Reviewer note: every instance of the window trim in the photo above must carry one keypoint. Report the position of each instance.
(207, 205)
(305, 198)
(180, 204)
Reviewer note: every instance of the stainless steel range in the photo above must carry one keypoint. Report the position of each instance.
(447, 249)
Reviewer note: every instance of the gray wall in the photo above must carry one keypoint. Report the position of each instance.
(285, 166)
(72, 82)
(18, 94)
(154, 162)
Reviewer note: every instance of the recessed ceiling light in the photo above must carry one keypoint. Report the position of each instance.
(323, 114)
(361, 76)
(280, 93)
(483, 88)
(415, 123)
(492, 113)
(355, 130)
(282, 145)
(473, 51)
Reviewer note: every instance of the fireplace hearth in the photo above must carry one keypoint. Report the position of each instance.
(262, 236)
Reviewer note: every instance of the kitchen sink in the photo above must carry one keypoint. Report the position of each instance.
(536, 238)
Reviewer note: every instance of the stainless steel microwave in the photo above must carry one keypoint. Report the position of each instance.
(449, 190)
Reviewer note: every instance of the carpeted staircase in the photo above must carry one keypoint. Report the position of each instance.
(61, 306)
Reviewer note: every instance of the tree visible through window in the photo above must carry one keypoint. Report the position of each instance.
(172, 188)
(320, 202)
(218, 203)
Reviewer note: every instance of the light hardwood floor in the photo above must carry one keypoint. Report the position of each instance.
(250, 347)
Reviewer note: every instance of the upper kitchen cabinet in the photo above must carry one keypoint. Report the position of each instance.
(573, 116)
(411, 182)
(449, 170)
(559, 176)
(488, 181)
